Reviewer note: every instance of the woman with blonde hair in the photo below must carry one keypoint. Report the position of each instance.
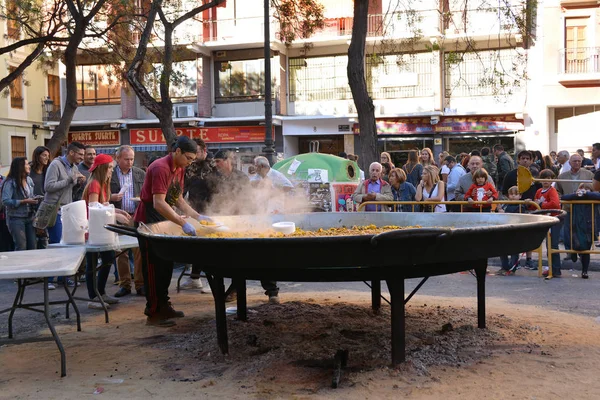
(426, 157)
(413, 168)
(385, 157)
(431, 189)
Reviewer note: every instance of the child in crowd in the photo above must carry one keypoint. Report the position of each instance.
(513, 194)
(480, 190)
(581, 219)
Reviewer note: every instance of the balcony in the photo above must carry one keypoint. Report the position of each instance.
(401, 24)
(580, 67)
(483, 22)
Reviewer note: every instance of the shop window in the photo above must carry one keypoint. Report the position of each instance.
(98, 84)
(17, 145)
(568, 112)
(184, 81)
(319, 79)
(327, 144)
(243, 80)
(16, 91)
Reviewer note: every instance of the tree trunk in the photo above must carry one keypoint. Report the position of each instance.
(358, 86)
(70, 60)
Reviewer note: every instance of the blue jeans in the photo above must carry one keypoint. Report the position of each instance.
(108, 258)
(23, 233)
(55, 232)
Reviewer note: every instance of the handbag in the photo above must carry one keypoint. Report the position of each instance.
(429, 207)
(46, 215)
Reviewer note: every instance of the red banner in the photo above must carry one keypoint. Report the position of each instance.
(96, 138)
(220, 134)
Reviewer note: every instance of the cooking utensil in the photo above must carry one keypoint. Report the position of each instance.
(525, 179)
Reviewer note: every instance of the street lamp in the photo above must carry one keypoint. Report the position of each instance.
(269, 150)
(48, 108)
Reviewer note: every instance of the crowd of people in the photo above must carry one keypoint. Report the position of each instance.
(197, 183)
(188, 179)
(488, 175)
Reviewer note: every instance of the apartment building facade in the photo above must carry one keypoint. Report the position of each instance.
(22, 111)
(427, 90)
(563, 110)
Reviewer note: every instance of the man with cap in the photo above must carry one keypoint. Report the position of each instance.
(231, 193)
(162, 190)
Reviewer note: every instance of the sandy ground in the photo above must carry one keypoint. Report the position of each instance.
(286, 351)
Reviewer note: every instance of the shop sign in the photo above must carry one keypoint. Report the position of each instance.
(422, 125)
(96, 138)
(221, 134)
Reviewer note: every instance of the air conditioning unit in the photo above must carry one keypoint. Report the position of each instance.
(183, 111)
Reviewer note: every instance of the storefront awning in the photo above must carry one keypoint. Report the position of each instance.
(152, 147)
(448, 125)
(106, 150)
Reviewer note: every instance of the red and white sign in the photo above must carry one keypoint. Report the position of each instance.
(96, 138)
(220, 134)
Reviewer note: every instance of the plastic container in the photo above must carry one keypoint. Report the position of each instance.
(287, 228)
(75, 223)
(101, 215)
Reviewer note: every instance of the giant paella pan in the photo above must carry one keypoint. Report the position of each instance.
(424, 245)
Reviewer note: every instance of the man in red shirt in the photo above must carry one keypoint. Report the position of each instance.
(161, 191)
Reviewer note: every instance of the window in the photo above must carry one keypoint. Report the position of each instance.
(399, 76)
(242, 80)
(577, 56)
(184, 81)
(319, 78)
(568, 112)
(17, 145)
(98, 84)
(497, 73)
(16, 91)
(12, 25)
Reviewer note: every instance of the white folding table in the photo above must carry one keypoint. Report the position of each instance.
(34, 267)
(125, 242)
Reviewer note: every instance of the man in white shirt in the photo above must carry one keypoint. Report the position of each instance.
(265, 172)
(456, 172)
(563, 159)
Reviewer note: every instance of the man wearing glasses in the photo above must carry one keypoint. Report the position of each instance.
(162, 190)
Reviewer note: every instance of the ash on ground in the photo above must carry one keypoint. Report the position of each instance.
(305, 335)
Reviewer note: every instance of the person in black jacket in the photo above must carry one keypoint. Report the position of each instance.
(199, 184)
(505, 165)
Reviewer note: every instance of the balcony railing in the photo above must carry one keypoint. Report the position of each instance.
(397, 24)
(581, 60)
(483, 20)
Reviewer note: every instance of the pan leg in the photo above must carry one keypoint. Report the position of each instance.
(217, 286)
(242, 312)
(480, 271)
(396, 288)
(376, 296)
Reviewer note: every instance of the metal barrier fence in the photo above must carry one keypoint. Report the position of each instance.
(593, 233)
(466, 206)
